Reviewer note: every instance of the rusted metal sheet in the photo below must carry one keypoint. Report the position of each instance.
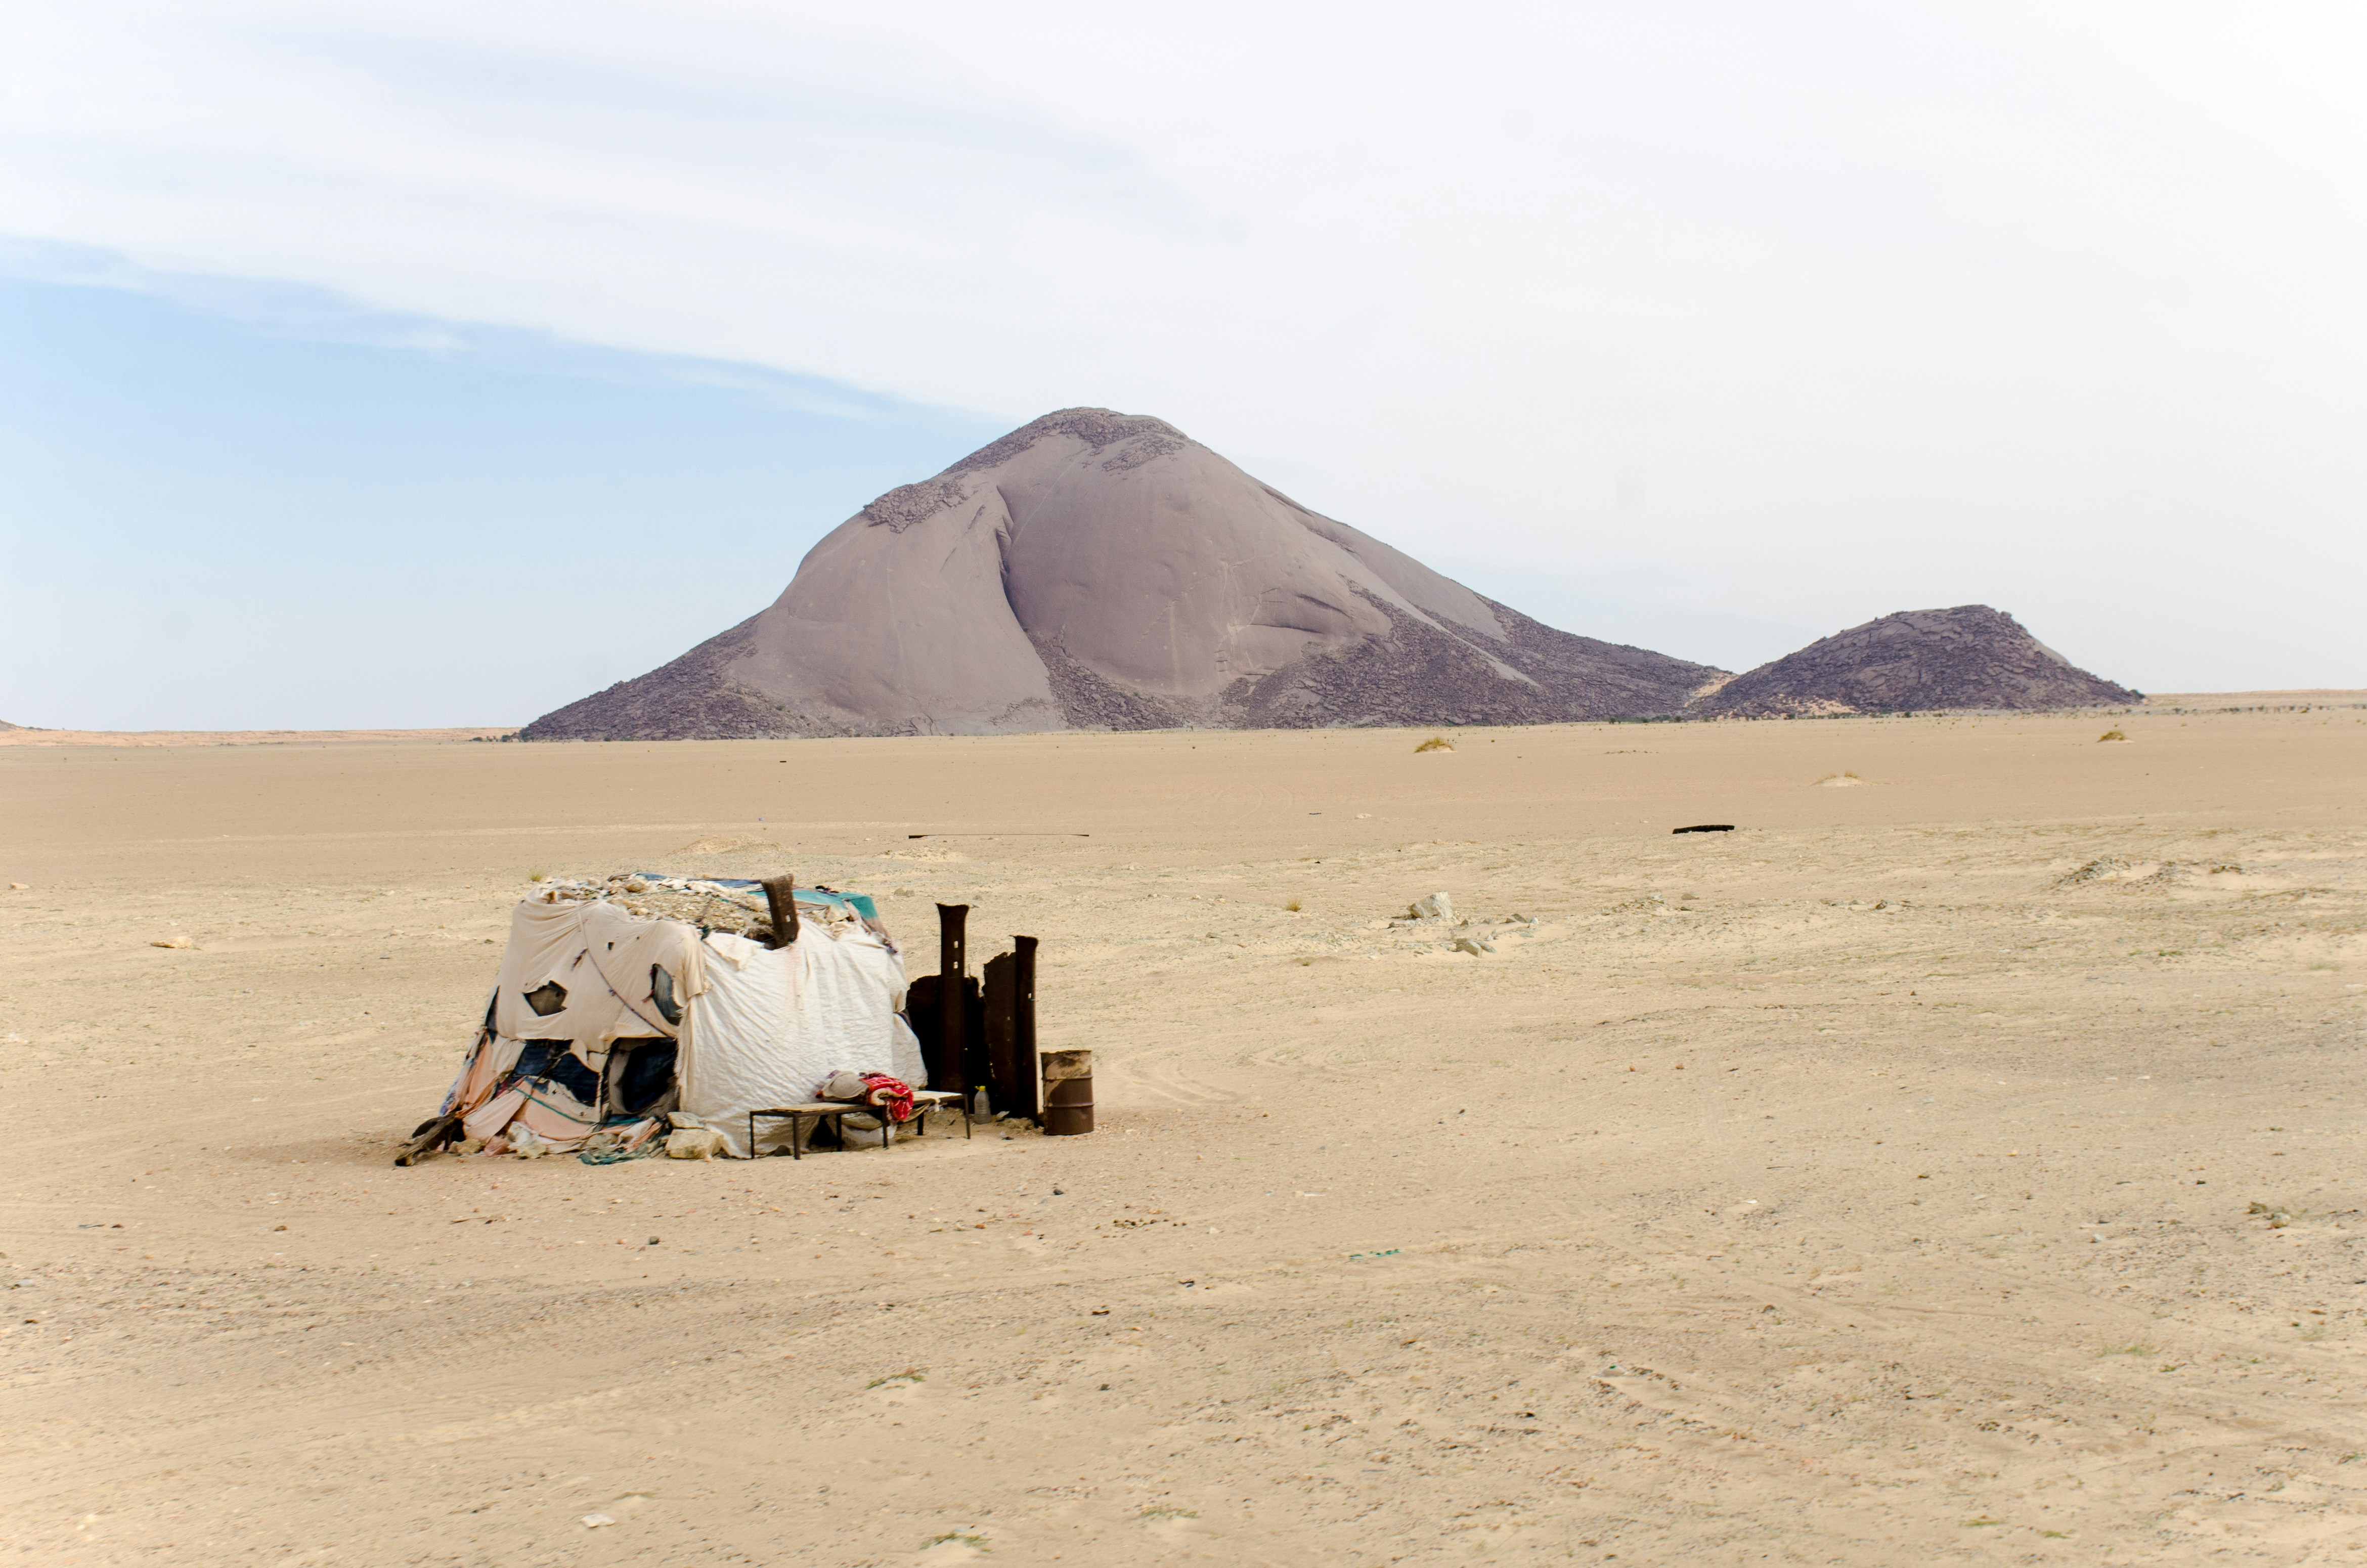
(952, 1013)
(1030, 1086)
(920, 1012)
(1011, 1077)
(1000, 1030)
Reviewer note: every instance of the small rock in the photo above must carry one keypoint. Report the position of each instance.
(19, 887)
(1474, 945)
(1435, 906)
(683, 1120)
(693, 1144)
(593, 1521)
(174, 942)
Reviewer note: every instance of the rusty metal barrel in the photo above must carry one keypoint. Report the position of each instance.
(1067, 1093)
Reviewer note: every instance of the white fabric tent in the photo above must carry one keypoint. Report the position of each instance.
(773, 1023)
(748, 1025)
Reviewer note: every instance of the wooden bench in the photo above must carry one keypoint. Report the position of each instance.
(923, 1102)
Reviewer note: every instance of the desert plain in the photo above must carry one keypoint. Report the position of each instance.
(1958, 1162)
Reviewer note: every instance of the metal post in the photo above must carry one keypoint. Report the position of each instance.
(780, 896)
(997, 1013)
(1022, 964)
(953, 994)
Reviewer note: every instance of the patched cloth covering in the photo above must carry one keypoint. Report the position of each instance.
(595, 972)
(602, 957)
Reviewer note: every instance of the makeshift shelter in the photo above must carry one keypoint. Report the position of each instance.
(618, 1002)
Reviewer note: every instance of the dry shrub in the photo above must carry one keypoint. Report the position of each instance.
(1435, 742)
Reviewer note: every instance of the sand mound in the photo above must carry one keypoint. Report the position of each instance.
(726, 846)
(1104, 570)
(1916, 661)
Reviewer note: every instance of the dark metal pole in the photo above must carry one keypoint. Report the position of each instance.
(780, 895)
(953, 995)
(1022, 964)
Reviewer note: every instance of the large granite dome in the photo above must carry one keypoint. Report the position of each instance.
(1096, 570)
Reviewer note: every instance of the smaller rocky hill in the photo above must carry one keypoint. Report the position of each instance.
(1916, 661)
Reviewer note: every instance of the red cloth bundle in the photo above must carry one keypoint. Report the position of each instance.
(893, 1093)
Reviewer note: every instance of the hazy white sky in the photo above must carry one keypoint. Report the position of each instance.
(1788, 313)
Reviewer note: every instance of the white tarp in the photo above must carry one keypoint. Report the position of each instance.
(771, 1024)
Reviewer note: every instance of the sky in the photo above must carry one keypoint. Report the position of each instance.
(376, 364)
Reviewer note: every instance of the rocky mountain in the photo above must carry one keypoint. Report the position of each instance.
(1916, 661)
(1095, 570)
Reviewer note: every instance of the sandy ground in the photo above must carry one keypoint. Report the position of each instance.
(1872, 1185)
